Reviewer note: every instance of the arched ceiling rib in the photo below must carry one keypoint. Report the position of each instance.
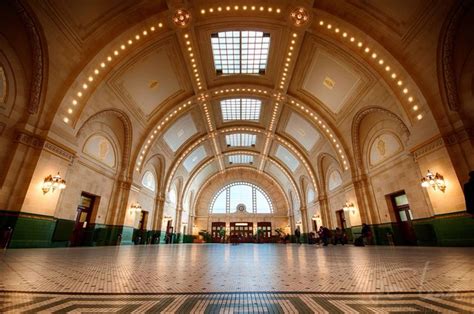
(201, 89)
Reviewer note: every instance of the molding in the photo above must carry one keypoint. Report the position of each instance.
(59, 151)
(39, 55)
(427, 148)
(447, 81)
(3, 126)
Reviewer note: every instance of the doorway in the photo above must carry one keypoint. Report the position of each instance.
(243, 231)
(169, 232)
(83, 218)
(216, 231)
(341, 219)
(404, 218)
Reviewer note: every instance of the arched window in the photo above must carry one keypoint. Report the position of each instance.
(241, 197)
(148, 181)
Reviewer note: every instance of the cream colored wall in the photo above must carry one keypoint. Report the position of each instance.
(452, 200)
(35, 201)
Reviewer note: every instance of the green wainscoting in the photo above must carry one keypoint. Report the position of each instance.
(33, 232)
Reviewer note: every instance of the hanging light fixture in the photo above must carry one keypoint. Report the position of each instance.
(349, 207)
(135, 208)
(436, 181)
(53, 183)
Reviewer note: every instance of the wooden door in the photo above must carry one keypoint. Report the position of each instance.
(341, 219)
(242, 230)
(266, 228)
(83, 218)
(216, 231)
(404, 218)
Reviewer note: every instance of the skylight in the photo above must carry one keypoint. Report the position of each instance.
(240, 52)
(241, 159)
(241, 109)
(240, 140)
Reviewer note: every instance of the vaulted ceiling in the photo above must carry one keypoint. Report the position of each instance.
(157, 61)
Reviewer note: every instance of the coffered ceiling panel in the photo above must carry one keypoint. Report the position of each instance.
(204, 174)
(287, 158)
(180, 132)
(331, 80)
(276, 173)
(302, 131)
(194, 158)
(150, 81)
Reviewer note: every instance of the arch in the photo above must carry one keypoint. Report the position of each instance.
(148, 181)
(356, 122)
(256, 193)
(127, 127)
(101, 148)
(40, 55)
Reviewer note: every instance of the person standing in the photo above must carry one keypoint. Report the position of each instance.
(469, 194)
(298, 235)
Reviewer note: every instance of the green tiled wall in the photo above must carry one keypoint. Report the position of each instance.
(29, 230)
(32, 232)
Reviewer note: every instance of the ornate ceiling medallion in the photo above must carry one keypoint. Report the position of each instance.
(300, 16)
(182, 17)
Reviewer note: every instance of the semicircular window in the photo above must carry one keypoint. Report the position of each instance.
(241, 197)
(148, 181)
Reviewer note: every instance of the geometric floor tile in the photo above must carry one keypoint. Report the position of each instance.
(250, 278)
(299, 302)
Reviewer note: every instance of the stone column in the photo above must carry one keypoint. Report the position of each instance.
(324, 208)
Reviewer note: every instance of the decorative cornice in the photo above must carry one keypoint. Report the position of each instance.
(427, 148)
(59, 151)
(28, 139)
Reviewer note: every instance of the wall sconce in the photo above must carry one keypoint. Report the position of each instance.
(52, 184)
(349, 207)
(135, 208)
(167, 217)
(436, 181)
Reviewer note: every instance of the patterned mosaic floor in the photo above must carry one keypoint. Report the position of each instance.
(238, 279)
(238, 303)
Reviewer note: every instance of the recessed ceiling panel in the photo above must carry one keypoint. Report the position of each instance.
(150, 81)
(302, 131)
(287, 158)
(240, 140)
(330, 80)
(194, 158)
(241, 109)
(180, 132)
(240, 52)
(241, 159)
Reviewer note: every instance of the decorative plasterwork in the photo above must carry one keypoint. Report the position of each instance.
(356, 125)
(428, 148)
(37, 142)
(40, 56)
(447, 82)
(3, 85)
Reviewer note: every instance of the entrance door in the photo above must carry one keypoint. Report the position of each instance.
(242, 231)
(315, 225)
(266, 228)
(341, 219)
(404, 218)
(83, 218)
(216, 231)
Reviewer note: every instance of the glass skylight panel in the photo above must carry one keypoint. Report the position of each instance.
(241, 109)
(240, 52)
(240, 140)
(240, 159)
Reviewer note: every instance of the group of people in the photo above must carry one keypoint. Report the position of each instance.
(326, 236)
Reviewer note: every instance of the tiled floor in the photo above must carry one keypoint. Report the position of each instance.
(243, 278)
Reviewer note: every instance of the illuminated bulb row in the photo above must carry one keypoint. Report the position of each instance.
(183, 156)
(192, 59)
(288, 59)
(272, 121)
(241, 8)
(153, 134)
(208, 117)
(232, 90)
(377, 60)
(101, 65)
(325, 130)
(230, 130)
(308, 168)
